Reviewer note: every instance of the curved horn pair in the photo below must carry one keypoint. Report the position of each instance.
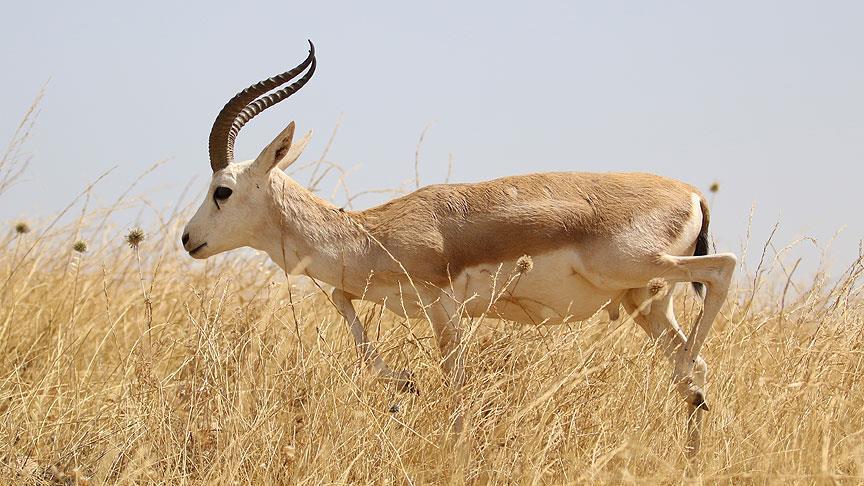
(246, 104)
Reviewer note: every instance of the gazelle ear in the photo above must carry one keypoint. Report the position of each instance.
(295, 151)
(276, 150)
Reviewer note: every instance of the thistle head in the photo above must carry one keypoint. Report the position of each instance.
(22, 227)
(524, 264)
(135, 237)
(80, 246)
(657, 285)
(714, 187)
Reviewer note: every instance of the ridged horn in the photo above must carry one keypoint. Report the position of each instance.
(244, 106)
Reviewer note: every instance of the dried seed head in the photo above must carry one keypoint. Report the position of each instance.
(524, 264)
(22, 227)
(80, 246)
(657, 285)
(135, 237)
(714, 187)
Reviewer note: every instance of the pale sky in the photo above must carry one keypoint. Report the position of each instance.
(765, 97)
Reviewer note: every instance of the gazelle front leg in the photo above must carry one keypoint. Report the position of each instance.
(448, 335)
(368, 353)
(445, 320)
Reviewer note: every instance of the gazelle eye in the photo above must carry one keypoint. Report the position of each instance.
(221, 194)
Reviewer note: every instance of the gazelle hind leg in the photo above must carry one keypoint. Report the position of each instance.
(662, 327)
(715, 271)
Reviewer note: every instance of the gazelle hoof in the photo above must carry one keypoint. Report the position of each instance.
(699, 401)
(406, 383)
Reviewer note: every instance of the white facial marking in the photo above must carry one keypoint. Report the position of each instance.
(229, 212)
(235, 208)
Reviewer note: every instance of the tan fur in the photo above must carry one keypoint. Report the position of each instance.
(596, 240)
(438, 231)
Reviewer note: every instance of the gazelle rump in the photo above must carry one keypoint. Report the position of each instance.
(444, 251)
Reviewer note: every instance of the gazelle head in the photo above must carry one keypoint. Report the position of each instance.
(234, 207)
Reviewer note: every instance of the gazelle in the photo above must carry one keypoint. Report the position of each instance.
(595, 240)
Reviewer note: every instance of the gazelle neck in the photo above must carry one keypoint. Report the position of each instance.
(305, 234)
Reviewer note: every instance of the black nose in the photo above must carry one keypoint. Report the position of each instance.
(185, 238)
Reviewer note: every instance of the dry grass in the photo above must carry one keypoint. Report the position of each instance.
(140, 365)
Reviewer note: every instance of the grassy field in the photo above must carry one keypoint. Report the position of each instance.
(133, 363)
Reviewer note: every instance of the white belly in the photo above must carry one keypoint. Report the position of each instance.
(556, 289)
